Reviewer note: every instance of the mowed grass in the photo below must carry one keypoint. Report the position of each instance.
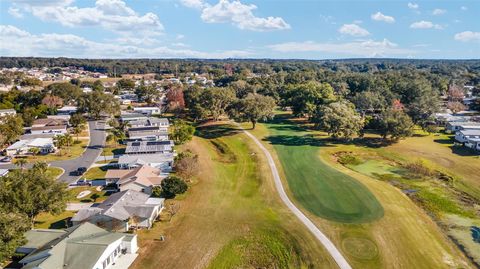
(231, 217)
(322, 190)
(405, 237)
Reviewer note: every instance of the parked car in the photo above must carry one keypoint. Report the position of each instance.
(80, 171)
(6, 159)
(83, 182)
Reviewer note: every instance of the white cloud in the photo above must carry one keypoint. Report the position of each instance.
(467, 36)
(464, 8)
(353, 30)
(367, 48)
(68, 45)
(15, 12)
(425, 25)
(413, 5)
(238, 14)
(439, 11)
(180, 36)
(113, 15)
(198, 4)
(382, 17)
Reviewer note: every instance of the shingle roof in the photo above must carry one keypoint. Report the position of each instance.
(77, 247)
(122, 206)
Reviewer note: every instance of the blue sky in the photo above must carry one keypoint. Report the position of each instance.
(240, 29)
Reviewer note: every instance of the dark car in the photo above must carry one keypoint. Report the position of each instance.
(79, 171)
(6, 159)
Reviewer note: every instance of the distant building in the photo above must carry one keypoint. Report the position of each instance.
(67, 110)
(5, 112)
(81, 246)
(147, 110)
(129, 117)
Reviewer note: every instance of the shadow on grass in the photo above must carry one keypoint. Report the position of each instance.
(118, 151)
(216, 131)
(59, 224)
(444, 141)
(313, 140)
(463, 151)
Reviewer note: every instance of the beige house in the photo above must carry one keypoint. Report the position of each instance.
(142, 178)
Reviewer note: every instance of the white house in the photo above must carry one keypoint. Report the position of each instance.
(452, 127)
(164, 161)
(81, 246)
(23, 147)
(67, 110)
(5, 112)
(463, 135)
(147, 110)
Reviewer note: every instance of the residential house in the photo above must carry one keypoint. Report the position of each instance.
(142, 178)
(164, 162)
(122, 210)
(67, 110)
(150, 121)
(23, 147)
(128, 117)
(52, 126)
(149, 133)
(80, 246)
(149, 147)
(473, 143)
(5, 112)
(463, 135)
(147, 110)
(452, 127)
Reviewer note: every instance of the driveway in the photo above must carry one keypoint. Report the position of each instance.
(321, 237)
(89, 156)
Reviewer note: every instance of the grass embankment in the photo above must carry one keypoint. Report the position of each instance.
(231, 217)
(405, 237)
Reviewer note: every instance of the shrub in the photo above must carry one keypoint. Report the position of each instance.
(172, 185)
(347, 158)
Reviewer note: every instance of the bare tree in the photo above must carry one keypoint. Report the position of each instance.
(173, 209)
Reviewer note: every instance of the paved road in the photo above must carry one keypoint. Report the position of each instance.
(336, 255)
(89, 156)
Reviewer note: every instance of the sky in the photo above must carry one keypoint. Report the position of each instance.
(278, 29)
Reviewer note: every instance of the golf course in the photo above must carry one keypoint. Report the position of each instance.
(322, 190)
(231, 216)
(372, 223)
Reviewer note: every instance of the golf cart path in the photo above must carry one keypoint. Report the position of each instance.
(329, 246)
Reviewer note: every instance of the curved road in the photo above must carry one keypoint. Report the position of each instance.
(336, 255)
(89, 156)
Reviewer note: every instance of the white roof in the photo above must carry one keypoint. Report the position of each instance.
(145, 108)
(36, 142)
(67, 108)
(470, 132)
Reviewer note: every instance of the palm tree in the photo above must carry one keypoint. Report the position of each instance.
(21, 163)
(78, 129)
(34, 151)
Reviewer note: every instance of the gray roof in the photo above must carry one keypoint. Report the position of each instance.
(132, 116)
(121, 206)
(149, 146)
(145, 158)
(77, 247)
(470, 132)
(150, 121)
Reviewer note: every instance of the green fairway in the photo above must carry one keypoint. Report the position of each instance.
(321, 189)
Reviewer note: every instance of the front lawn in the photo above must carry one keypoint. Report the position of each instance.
(49, 221)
